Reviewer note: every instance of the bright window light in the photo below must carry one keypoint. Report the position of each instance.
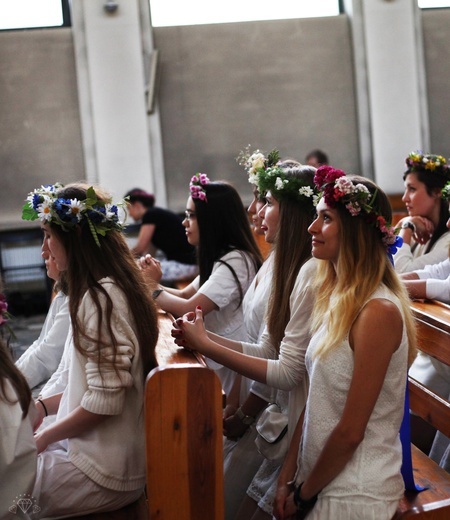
(424, 4)
(21, 14)
(195, 12)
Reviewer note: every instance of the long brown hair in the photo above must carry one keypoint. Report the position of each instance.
(291, 250)
(88, 263)
(9, 372)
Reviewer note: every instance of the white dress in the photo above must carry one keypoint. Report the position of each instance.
(286, 371)
(371, 484)
(241, 458)
(222, 289)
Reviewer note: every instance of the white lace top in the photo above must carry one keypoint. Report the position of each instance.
(374, 469)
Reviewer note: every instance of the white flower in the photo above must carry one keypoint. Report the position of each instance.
(362, 189)
(45, 210)
(257, 160)
(316, 199)
(307, 191)
(279, 183)
(76, 207)
(253, 179)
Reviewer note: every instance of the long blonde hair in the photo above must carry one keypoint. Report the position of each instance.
(361, 267)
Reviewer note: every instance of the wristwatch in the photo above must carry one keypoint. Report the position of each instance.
(409, 225)
(246, 419)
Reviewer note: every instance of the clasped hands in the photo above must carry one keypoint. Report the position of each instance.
(189, 330)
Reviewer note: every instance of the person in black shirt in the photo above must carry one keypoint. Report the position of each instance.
(162, 233)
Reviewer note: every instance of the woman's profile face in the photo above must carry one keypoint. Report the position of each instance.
(270, 215)
(417, 200)
(325, 233)
(55, 247)
(190, 224)
(253, 210)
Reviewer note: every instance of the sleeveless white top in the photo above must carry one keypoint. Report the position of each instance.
(374, 469)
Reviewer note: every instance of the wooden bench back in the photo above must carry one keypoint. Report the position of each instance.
(183, 405)
(433, 328)
(433, 324)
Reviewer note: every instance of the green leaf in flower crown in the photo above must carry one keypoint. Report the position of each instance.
(28, 213)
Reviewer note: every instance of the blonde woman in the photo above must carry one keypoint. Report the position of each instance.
(344, 461)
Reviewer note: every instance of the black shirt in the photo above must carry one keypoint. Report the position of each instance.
(169, 235)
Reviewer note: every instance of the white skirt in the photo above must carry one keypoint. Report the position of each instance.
(352, 508)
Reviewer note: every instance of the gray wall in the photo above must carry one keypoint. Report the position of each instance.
(40, 136)
(270, 84)
(286, 84)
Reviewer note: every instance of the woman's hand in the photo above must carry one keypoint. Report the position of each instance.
(233, 427)
(283, 504)
(424, 229)
(151, 268)
(190, 331)
(41, 441)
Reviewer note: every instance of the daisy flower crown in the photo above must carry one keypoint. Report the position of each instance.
(45, 204)
(256, 163)
(436, 164)
(336, 187)
(196, 186)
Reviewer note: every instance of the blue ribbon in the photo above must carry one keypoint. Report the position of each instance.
(405, 437)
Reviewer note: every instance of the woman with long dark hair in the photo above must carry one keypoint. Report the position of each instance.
(278, 358)
(425, 236)
(90, 459)
(228, 259)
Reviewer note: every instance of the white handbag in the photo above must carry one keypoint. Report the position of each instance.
(272, 426)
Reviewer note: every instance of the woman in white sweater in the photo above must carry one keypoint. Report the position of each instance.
(90, 458)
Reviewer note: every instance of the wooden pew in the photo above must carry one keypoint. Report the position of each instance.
(433, 323)
(183, 415)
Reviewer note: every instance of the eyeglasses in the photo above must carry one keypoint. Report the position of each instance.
(189, 215)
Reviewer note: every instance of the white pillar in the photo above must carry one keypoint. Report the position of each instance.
(390, 82)
(117, 131)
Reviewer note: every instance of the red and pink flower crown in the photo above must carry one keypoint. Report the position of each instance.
(336, 187)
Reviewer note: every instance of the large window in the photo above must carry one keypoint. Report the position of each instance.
(27, 14)
(194, 12)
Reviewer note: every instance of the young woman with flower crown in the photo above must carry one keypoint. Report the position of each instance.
(17, 446)
(278, 359)
(432, 282)
(228, 259)
(345, 458)
(90, 458)
(425, 236)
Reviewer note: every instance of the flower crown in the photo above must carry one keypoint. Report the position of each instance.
(196, 186)
(256, 163)
(337, 187)
(433, 163)
(284, 186)
(446, 191)
(44, 204)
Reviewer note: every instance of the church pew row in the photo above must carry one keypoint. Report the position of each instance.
(433, 324)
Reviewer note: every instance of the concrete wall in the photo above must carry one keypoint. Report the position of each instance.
(286, 84)
(40, 136)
